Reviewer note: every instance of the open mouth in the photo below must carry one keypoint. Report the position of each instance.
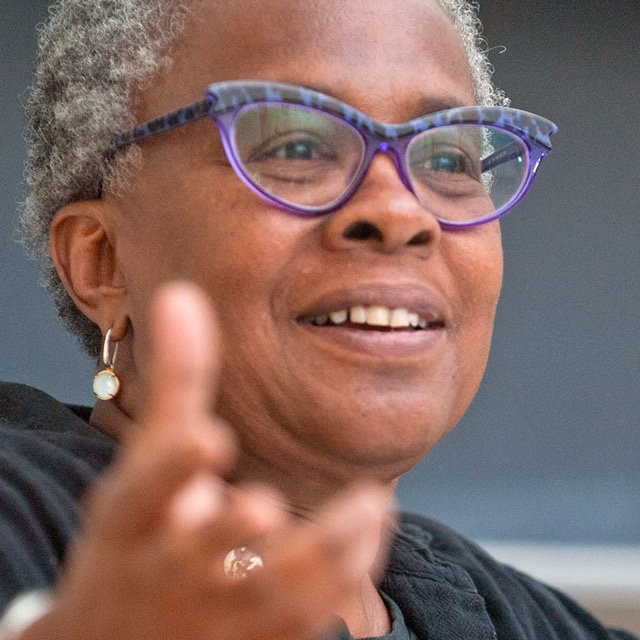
(374, 317)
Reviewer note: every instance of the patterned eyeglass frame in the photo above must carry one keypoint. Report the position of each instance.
(224, 100)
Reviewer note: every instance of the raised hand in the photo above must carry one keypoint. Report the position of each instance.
(148, 564)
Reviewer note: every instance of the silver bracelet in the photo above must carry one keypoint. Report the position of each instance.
(23, 612)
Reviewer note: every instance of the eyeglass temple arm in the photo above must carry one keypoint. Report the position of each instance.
(510, 152)
(173, 120)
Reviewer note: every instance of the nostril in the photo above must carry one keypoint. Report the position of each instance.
(420, 238)
(363, 231)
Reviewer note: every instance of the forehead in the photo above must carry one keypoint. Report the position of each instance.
(364, 52)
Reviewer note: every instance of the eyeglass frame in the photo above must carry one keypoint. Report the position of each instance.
(224, 100)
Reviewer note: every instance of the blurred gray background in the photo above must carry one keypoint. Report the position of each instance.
(550, 450)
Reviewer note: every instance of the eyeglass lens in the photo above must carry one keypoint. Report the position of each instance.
(309, 159)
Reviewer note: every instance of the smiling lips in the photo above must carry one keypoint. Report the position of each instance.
(376, 316)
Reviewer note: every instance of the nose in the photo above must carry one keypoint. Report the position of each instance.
(383, 215)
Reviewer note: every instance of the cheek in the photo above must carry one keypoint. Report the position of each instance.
(475, 261)
(476, 264)
(174, 224)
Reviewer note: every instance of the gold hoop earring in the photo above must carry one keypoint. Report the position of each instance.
(106, 384)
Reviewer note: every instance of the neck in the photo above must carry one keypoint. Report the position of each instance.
(368, 616)
(307, 489)
(307, 476)
(111, 420)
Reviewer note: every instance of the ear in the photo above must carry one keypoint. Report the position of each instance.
(84, 253)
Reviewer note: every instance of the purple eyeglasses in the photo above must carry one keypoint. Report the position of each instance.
(307, 152)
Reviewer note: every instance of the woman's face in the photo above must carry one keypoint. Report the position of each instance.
(349, 399)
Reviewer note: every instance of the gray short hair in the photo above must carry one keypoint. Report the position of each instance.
(94, 59)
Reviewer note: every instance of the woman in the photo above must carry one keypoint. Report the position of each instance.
(354, 268)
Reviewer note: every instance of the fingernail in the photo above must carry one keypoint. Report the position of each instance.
(199, 501)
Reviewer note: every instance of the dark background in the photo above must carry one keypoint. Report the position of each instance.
(550, 450)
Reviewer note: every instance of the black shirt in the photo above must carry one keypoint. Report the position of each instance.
(49, 456)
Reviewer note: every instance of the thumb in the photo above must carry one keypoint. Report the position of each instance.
(182, 371)
(184, 361)
(178, 436)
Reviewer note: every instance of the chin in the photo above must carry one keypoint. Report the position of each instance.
(389, 444)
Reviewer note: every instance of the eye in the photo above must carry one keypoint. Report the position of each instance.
(449, 153)
(295, 150)
(450, 162)
(298, 147)
(444, 162)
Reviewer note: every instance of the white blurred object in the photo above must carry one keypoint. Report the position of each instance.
(604, 579)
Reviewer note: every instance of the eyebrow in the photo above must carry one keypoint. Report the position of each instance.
(426, 105)
(431, 105)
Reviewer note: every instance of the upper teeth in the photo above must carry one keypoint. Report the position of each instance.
(376, 316)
